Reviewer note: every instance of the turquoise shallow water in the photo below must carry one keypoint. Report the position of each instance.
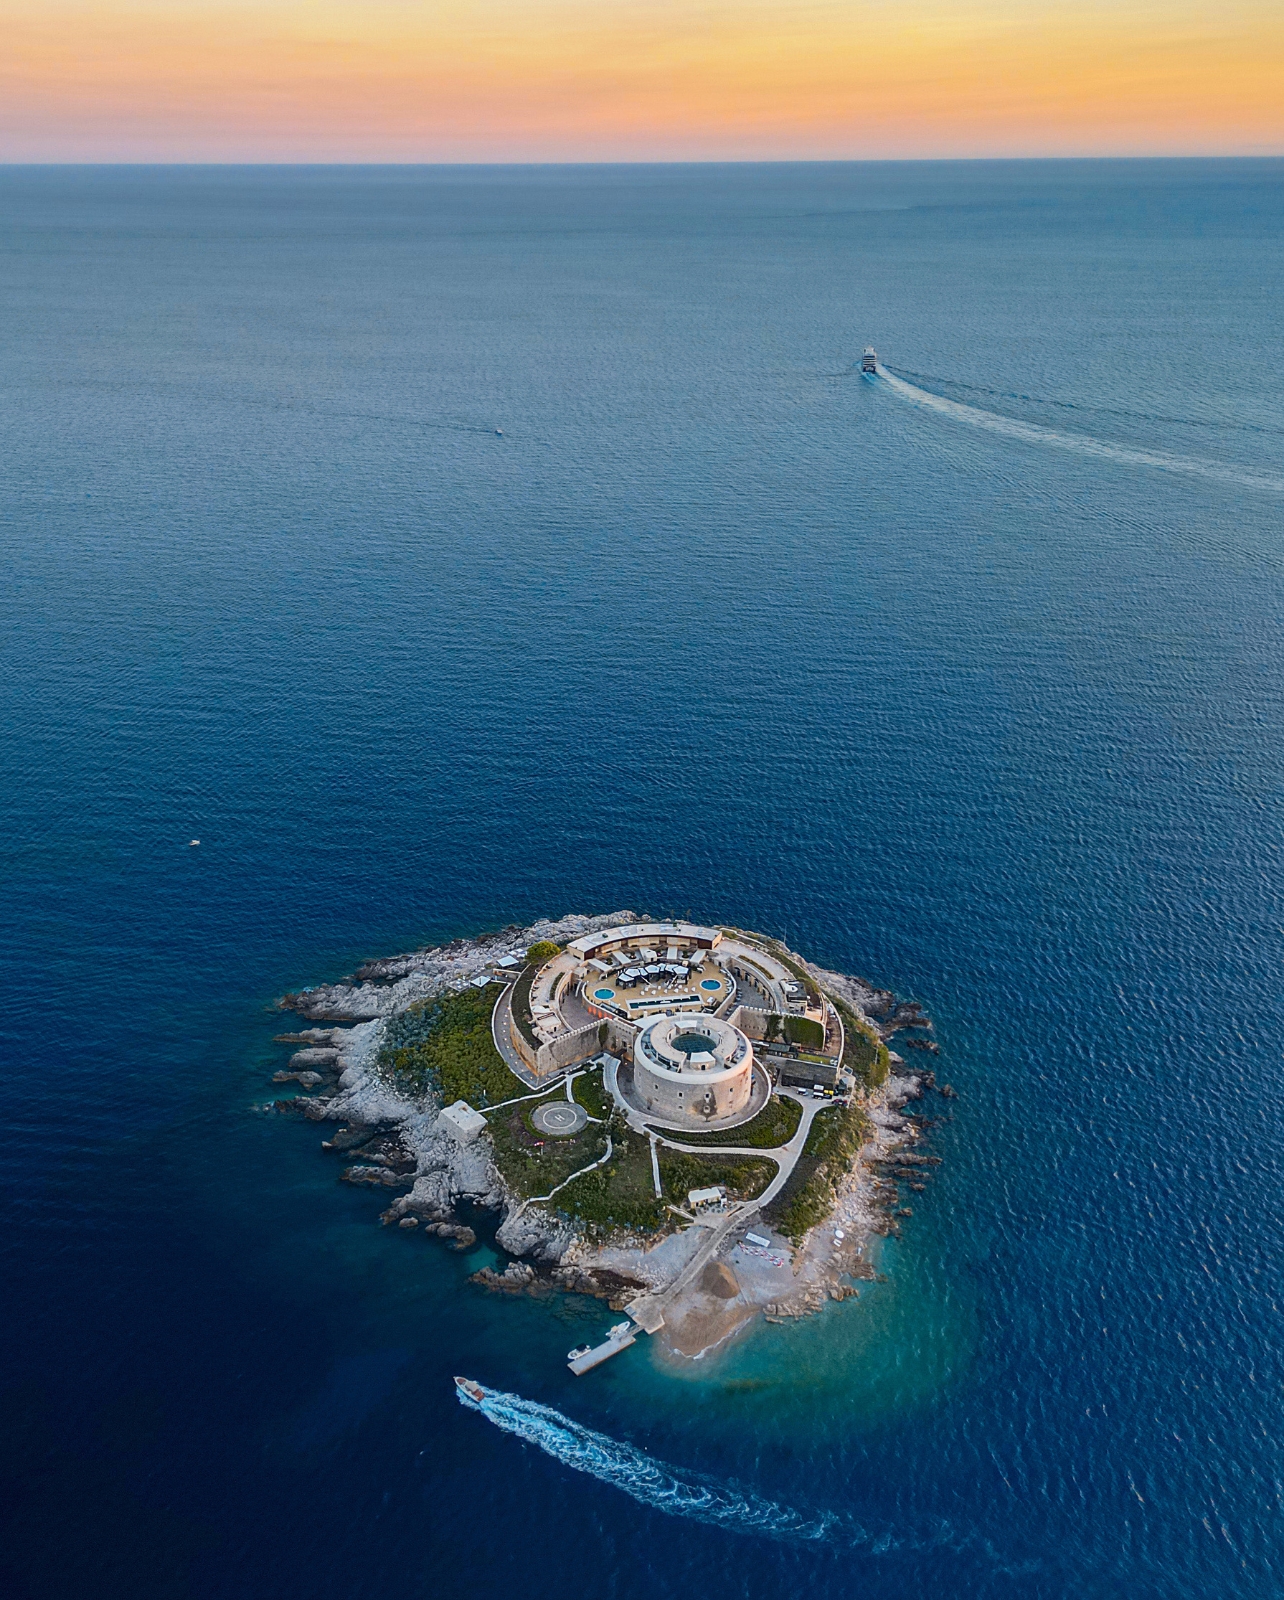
(713, 626)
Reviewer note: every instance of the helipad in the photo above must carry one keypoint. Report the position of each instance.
(559, 1118)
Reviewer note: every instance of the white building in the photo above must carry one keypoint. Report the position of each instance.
(461, 1122)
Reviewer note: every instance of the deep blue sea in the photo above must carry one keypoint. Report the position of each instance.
(984, 702)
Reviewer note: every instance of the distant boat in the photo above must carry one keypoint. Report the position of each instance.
(579, 1350)
(869, 361)
(474, 1391)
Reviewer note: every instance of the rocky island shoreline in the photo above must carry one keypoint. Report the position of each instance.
(387, 1048)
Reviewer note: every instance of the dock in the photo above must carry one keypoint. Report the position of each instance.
(602, 1352)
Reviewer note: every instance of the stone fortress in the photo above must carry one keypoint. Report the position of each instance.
(698, 1021)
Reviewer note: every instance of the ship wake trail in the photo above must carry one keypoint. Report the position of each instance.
(1124, 455)
(649, 1481)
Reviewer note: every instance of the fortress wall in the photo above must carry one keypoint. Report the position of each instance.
(572, 1047)
(682, 1099)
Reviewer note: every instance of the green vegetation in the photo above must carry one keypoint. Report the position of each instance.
(805, 1031)
(774, 1125)
(743, 1176)
(445, 1047)
(531, 1162)
(622, 1193)
(836, 1135)
(589, 1093)
(864, 1053)
(541, 951)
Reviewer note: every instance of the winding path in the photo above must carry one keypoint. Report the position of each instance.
(539, 1199)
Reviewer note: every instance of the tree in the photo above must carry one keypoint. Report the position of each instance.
(541, 951)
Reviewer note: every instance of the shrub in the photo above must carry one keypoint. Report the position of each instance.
(445, 1046)
(835, 1137)
(774, 1125)
(805, 1031)
(865, 1055)
(541, 951)
(742, 1176)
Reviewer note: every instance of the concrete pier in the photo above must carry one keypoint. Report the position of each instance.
(602, 1352)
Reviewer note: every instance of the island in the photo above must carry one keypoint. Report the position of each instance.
(691, 1122)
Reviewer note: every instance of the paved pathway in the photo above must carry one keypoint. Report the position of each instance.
(501, 1020)
(648, 1310)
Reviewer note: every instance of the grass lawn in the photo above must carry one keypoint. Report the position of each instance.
(774, 1125)
(743, 1176)
(531, 1162)
(590, 1093)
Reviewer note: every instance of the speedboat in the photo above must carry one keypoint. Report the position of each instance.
(579, 1350)
(471, 1390)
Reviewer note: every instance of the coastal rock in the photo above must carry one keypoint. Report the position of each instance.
(516, 1278)
(459, 1234)
(376, 1175)
(313, 1057)
(422, 974)
(408, 1222)
(349, 1139)
(308, 1080)
(616, 1288)
(531, 1233)
(303, 1106)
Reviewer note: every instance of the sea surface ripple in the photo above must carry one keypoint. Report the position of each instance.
(445, 548)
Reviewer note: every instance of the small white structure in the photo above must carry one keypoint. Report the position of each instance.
(699, 1199)
(461, 1122)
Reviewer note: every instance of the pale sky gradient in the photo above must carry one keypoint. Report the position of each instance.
(594, 80)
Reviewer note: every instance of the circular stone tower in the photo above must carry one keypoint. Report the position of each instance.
(692, 1068)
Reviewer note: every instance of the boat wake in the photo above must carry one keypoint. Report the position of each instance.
(1035, 433)
(703, 1499)
(649, 1481)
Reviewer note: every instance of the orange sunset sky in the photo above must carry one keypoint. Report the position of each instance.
(593, 80)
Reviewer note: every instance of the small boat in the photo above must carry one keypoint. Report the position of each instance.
(579, 1350)
(869, 361)
(473, 1391)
